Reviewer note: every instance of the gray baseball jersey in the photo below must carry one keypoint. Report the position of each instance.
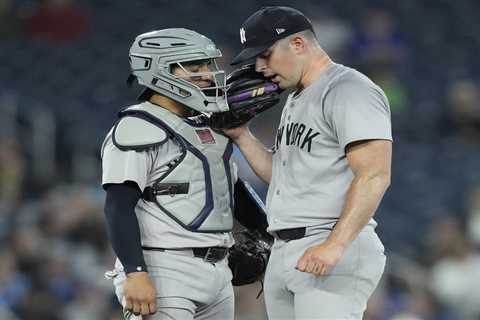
(310, 180)
(187, 287)
(145, 168)
(310, 174)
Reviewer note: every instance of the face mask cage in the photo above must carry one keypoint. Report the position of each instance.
(210, 84)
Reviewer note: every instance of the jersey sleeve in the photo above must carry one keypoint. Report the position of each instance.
(357, 110)
(119, 166)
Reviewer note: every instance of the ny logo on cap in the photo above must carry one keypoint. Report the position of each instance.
(242, 36)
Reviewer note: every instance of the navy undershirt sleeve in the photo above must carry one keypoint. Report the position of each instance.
(122, 225)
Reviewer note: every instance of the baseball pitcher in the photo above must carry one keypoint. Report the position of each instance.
(327, 172)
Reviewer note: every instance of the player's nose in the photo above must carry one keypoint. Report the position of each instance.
(260, 65)
(207, 75)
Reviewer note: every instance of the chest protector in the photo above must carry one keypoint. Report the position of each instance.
(197, 189)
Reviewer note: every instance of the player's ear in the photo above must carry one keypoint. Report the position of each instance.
(297, 44)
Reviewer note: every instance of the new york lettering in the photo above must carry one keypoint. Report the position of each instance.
(278, 139)
(295, 136)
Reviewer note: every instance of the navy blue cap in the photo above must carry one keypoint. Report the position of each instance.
(266, 26)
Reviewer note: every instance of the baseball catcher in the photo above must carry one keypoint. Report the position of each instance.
(169, 182)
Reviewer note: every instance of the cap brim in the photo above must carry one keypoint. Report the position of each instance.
(248, 53)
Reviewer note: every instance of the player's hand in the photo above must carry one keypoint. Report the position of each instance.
(320, 259)
(236, 133)
(140, 294)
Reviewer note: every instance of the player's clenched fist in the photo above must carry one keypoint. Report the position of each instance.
(320, 259)
(140, 294)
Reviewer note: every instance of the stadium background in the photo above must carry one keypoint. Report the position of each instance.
(63, 65)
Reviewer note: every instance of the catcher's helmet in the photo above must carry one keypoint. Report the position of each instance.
(154, 54)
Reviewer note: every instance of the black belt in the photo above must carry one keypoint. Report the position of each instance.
(290, 234)
(208, 254)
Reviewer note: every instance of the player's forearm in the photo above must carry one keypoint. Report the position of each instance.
(258, 156)
(122, 226)
(363, 198)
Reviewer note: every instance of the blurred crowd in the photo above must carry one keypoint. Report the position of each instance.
(61, 84)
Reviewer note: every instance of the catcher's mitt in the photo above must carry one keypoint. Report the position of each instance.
(248, 94)
(248, 258)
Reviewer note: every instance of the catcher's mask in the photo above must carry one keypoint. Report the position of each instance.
(155, 55)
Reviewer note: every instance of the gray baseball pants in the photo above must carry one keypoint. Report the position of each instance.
(187, 287)
(342, 294)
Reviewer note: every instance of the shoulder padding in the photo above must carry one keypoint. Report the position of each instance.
(134, 132)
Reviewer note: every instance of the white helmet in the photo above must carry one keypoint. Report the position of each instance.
(153, 54)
